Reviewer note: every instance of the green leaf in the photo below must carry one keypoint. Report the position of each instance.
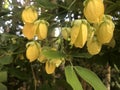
(82, 55)
(111, 8)
(19, 74)
(72, 78)
(3, 76)
(52, 54)
(6, 59)
(2, 87)
(90, 77)
(46, 4)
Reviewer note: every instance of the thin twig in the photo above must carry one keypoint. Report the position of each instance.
(71, 4)
(35, 80)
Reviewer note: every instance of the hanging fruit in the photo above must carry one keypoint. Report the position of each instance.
(33, 51)
(50, 63)
(105, 30)
(41, 29)
(29, 14)
(93, 46)
(93, 10)
(29, 31)
(79, 33)
(57, 62)
(41, 57)
(50, 67)
(65, 32)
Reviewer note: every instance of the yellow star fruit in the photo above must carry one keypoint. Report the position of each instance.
(93, 10)
(105, 31)
(93, 46)
(29, 14)
(41, 29)
(79, 33)
(49, 67)
(33, 51)
(29, 31)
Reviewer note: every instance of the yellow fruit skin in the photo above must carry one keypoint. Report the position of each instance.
(29, 31)
(94, 10)
(105, 32)
(82, 37)
(42, 29)
(29, 14)
(74, 33)
(50, 67)
(65, 32)
(33, 51)
(79, 33)
(93, 47)
(42, 58)
(57, 62)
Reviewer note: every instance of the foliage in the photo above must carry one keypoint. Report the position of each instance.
(16, 72)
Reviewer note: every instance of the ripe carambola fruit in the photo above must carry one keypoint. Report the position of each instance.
(50, 67)
(74, 34)
(41, 29)
(79, 33)
(42, 58)
(29, 14)
(105, 31)
(93, 10)
(33, 51)
(28, 30)
(66, 32)
(82, 37)
(93, 46)
(57, 62)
